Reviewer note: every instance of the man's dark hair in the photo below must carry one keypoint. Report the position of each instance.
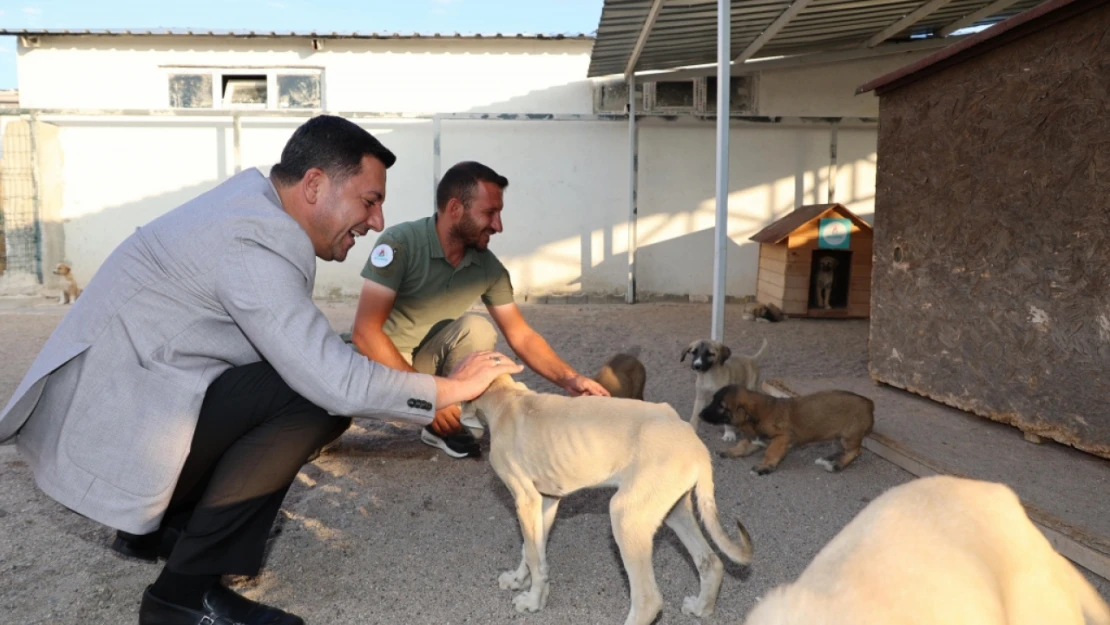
(333, 144)
(461, 182)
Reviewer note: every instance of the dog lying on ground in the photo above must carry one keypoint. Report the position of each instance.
(826, 274)
(766, 312)
(545, 446)
(820, 416)
(623, 376)
(939, 550)
(710, 360)
(70, 292)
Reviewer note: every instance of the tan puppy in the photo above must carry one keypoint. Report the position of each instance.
(937, 551)
(623, 376)
(545, 446)
(70, 292)
(820, 416)
(710, 360)
(826, 274)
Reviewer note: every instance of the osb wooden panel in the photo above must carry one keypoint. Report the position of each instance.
(993, 185)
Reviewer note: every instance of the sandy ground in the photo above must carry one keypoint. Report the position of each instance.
(383, 529)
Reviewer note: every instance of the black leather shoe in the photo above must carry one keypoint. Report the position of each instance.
(221, 607)
(148, 547)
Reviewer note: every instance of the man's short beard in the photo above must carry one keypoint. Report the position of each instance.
(467, 231)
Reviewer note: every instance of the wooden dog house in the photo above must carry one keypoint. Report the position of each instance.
(789, 254)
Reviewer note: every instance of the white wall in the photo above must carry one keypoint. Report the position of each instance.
(567, 203)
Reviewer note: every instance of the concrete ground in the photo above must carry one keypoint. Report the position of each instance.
(383, 529)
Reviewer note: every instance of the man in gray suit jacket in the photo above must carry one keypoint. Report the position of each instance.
(181, 394)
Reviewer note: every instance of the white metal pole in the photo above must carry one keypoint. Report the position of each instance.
(633, 173)
(720, 255)
(436, 163)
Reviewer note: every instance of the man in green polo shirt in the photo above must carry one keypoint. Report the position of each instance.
(421, 278)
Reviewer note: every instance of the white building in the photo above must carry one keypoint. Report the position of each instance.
(110, 154)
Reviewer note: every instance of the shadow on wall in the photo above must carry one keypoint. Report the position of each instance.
(567, 205)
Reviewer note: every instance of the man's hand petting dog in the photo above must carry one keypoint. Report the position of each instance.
(472, 376)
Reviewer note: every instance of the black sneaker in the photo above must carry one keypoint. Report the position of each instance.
(461, 444)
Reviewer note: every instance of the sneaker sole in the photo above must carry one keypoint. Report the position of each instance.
(434, 441)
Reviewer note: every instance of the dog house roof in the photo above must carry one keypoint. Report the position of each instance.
(778, 231)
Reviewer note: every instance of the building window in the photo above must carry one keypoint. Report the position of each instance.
(741, 97)
(693, 96)
(244, 90)
(298, 91)
(233, 88)
(190, 91)
(674, 94)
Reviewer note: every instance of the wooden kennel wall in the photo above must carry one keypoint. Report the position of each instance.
(992, 220)
(788, 253)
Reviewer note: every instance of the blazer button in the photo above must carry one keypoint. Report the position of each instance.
(412, 403)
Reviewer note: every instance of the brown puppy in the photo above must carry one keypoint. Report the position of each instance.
(820, 416)
(70, 292)
(623, 376)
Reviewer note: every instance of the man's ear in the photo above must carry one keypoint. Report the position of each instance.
(455, 208)
(313, 180)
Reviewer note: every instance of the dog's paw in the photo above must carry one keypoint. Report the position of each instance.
(509, 580)
(827, 464)
(761, 470)
(729, 436)
(694, 606)
(527, 602)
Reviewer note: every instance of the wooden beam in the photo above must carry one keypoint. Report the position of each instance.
(645, 32)
(910, 19)
(971, 18)
(773, 29)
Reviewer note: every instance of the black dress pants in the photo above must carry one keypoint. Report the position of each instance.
(253, 435)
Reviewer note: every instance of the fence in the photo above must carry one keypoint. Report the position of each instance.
(20, 236)
(82, 180)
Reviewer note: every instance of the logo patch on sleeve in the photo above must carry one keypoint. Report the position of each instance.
(381, 256)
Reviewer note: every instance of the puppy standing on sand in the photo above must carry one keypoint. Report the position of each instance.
(820, 416)
(623, 376)
(710, 361)
(937, 551)
(545, 446)
(70, 292)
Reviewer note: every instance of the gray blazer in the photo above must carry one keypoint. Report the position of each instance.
(106, 413)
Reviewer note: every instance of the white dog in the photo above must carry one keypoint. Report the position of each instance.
(937, 551)
(544, 446)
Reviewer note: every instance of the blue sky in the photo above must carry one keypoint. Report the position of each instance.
(466, 16)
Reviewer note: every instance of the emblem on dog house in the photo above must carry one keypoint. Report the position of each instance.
(816, 262)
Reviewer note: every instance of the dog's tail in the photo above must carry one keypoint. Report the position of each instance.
(763, 348)
(707, 509)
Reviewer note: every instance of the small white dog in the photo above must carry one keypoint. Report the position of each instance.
(545, 446)
(937, 551)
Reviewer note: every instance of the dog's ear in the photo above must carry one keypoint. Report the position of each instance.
(684, 353)
(725, 354)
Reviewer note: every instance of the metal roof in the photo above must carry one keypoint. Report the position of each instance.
(780, 229)
(667, 34)
(1016, 27)
(198, 32)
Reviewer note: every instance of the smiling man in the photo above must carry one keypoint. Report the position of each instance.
(420, 279)
(180, 396)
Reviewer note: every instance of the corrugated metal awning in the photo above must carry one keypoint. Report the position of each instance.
(668, 34)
